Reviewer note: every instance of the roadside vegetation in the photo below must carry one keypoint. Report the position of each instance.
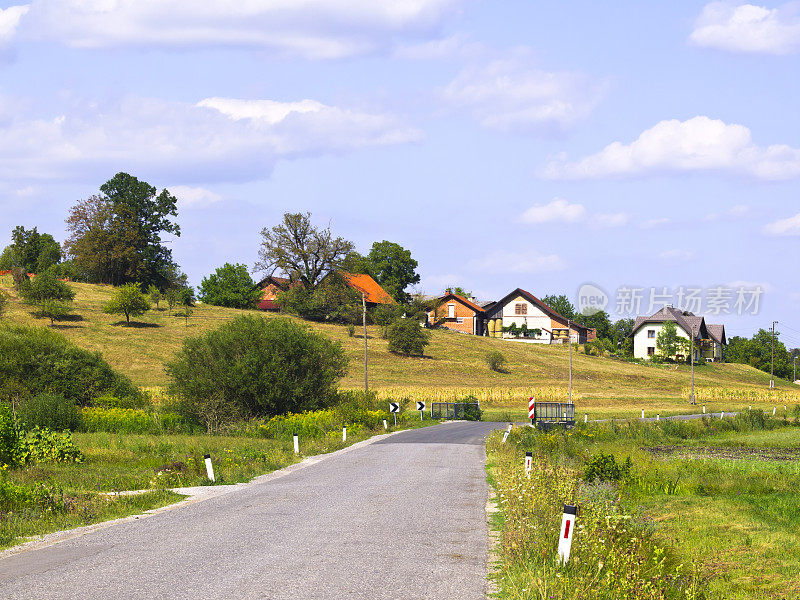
(675, 509)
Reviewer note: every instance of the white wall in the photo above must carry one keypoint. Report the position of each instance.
(534, 319)
(641, 342)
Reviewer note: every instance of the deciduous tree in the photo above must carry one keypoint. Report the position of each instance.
(300, 250)
(127, 300)
(393, 268)
(231, 286)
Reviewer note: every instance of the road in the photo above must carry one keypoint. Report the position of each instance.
(403, 517)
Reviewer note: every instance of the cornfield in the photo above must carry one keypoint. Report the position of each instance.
(497, 397)
(722, 394)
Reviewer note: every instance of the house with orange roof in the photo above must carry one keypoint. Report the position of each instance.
(373, 293)
(458, 314)
(270, 288)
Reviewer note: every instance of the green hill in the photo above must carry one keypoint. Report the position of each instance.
(452, 360)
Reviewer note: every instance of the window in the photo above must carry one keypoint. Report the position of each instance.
(451, 311)
(651, 351)
(651, 333)
(460, 320)
(521, 309)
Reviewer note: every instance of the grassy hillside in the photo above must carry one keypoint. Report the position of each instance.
(452, 360)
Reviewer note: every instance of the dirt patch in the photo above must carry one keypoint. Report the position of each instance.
(694, 452)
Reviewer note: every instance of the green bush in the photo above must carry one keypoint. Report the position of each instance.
(407, 337)
(51, 411)
(129, 420)
(127, 300)
(43, 360)
(497, 362)
(331, 301)
(44, 445)
(604, 467)
(255, 367)
(10, 439)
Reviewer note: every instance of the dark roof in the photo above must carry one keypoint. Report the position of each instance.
(281, 282)
(688, 321)
(461, 299)
(717, 333)
(534, 300)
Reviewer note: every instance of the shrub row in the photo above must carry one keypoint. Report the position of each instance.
(130, 420)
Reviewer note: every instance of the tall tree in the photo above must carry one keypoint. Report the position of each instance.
(561, 305)
(668, 342)
(598, 321)
(300, 250)
(393, 268)
(116, 236)
(102, 244)
(138, 203)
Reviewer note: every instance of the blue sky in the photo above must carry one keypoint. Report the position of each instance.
(514, 144)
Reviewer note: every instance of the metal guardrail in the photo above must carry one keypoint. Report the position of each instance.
(453, 410)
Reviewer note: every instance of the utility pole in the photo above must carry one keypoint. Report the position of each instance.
(691, 357)
(772, 359)
(569, 346)
(794, 364)
(364, 318)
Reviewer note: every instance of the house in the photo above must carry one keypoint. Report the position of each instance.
(458, 313)
(709, 339)
(373, 293)
(270, 288)
(533, 320)
(717, 339)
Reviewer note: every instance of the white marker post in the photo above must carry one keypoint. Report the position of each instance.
(344, 434)
(505, 436)
(643, 413)
(704, 409)
(773, 410)
(528, 463)
(210, 468)
(420, 408)
(532, 409)
(585, 417)
(394, 408)
(385, 425)
(296, 444)
(750, 408)
(565, 535)
(658, 417)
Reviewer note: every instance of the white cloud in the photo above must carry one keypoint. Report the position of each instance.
(735, 212)
(698, 144)
(559, 210)
(677, 255)
(216, 139)
(454, 46)
(525, 261)
(194, 197)
(9, 20)
(317, 29)
(653, 223)
(509, 95)
(789, 226)
(608, 220)
(748, 28)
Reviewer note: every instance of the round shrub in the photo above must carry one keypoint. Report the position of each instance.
(407, 337)
(10, 438)
(497, 362)
(51, 411)
(255, 367)
(43, 360)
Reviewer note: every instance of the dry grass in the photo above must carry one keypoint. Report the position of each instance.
(452, 360)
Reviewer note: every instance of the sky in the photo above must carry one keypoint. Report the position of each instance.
(651, 150)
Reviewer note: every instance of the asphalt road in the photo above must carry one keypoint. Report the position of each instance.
(401, 518)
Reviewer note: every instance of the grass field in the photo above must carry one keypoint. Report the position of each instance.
(714, 501)
(452, 360)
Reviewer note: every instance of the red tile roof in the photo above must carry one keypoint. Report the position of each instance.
(368, 286)
(463, 301)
